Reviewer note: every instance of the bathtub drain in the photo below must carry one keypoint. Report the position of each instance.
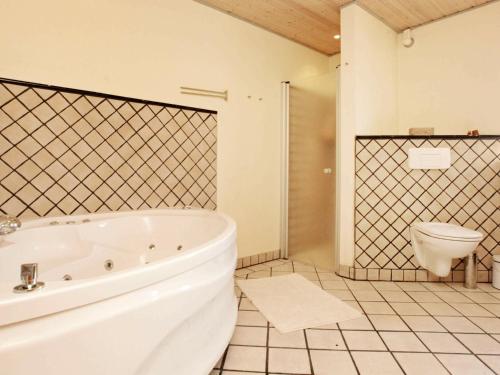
(108, 265)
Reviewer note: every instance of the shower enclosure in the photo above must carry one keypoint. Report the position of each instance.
(308, 178)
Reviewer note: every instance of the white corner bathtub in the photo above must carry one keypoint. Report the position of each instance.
(167, 307)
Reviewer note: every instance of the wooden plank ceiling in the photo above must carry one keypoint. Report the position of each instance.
(314, 22)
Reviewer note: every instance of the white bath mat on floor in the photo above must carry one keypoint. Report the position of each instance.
(292, 302)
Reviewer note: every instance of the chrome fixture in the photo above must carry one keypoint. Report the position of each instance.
(471, 271)
(9, 224)
(203, 92)
(29, 278)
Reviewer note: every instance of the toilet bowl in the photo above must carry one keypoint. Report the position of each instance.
(437, 244)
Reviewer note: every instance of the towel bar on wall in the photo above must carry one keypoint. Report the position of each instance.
(203, 92)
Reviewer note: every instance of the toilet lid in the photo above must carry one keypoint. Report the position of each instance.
(445, 230)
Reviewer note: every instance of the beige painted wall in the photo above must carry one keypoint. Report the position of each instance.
(147, 49)
(450, 78)
(368, 104)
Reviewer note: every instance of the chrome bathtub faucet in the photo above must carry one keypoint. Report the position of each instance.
(29, 278)
(9, 224)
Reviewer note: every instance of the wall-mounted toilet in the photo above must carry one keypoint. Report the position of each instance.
(437, 244)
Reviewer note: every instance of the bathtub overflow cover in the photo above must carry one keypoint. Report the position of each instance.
(67, 277)
(179, 247)
(108, 265)
(152, 247)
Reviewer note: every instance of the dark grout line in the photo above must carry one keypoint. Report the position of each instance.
(308, 352)
(267, 348)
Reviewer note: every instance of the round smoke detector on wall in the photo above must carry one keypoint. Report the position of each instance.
(408, 40)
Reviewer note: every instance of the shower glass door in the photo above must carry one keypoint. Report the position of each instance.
(311, 171)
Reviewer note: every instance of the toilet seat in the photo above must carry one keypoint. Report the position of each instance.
(448, 231)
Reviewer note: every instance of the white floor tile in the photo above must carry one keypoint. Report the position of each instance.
(289, 361)
(439, 309)
(386, 285)
(328, 276)
(411, 286)
(325, 339)
(442, 343)
(294, 339)
(479, 343)
(408, 308)
(493, 308)
(361, 323)
(490, 325)
(453, 297)
(363, 340)
(251, 318)
(487, 287)
(481, 297)
(437, 287)
(492, 361)
(332, 362)
(420, 363)
(377, 308)
(376, 363)
(388, 323)
(392, 296)
(403, 342)
(245, 358)
(249, 336)
(367, 295)
(471, 309)
(458, 324)
(426, 296)
(459, 364)
(423, 324)
(298, 266)
(359, 285)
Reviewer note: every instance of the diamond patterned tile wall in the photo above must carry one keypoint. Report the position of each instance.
(390, 196)
(65, 151)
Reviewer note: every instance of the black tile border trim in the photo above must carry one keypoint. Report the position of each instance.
(489, 136)
(101, 95)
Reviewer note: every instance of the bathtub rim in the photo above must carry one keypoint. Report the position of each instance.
(60, 295)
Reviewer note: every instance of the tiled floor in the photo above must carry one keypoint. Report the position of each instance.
(407, 328)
